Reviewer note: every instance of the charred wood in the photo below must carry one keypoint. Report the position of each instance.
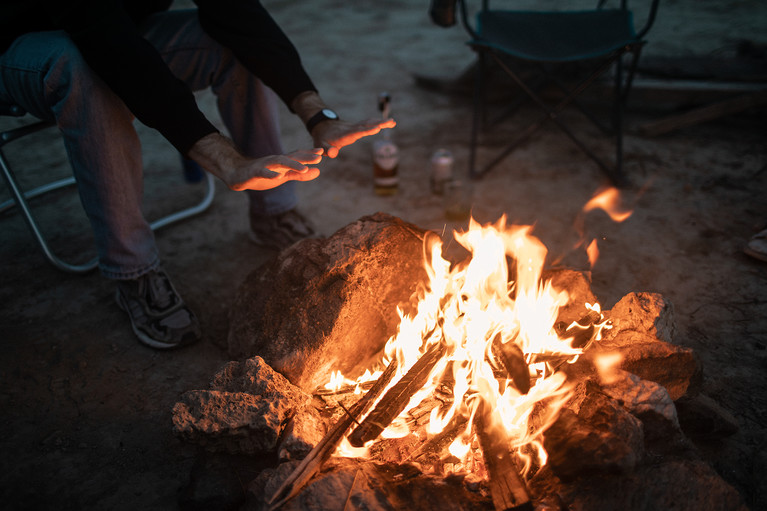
(320, 453)
(438, 444)
(513, 361)
(507, 487)
(397, 397)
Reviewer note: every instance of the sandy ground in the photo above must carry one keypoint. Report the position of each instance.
(86, 409)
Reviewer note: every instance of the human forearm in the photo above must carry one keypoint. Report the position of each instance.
(218, 155)
(306, 104)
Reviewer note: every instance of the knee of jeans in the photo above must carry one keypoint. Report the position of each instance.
(71, 83)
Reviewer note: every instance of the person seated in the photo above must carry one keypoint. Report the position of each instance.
(93, 66)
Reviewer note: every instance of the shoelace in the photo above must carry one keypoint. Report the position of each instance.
(160, 294)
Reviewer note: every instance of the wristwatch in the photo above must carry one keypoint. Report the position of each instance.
(326, 114)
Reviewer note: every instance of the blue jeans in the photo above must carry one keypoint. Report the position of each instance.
(44, 73)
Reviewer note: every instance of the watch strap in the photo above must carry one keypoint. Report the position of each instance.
(320, 116)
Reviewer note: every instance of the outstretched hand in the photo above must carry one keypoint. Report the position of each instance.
(218, 155)
(331, 136)
(272, 171)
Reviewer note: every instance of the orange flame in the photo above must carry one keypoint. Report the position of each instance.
(608, 200)
(593, 252)
(469, 307)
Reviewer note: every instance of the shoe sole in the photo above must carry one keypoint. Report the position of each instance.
(755, 254)
(144, 338)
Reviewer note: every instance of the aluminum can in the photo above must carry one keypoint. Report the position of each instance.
(441, 170)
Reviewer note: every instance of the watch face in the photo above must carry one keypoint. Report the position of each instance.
(330, 114)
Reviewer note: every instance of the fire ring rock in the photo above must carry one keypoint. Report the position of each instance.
(331, 304)
(245, 410)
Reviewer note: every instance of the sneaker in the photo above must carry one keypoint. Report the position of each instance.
(159, 317)
(280, 231)
(757, 246)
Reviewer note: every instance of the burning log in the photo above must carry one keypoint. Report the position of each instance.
(439, 442)
(314, 460)
(344, 389)
(507, 487)
(513, 360)
(397, 397)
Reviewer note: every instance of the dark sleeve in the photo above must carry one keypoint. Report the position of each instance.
(113, 47)
(246, 28)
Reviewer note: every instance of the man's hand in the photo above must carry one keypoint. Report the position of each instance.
(218, 155)
(331, 136)
(272, 171)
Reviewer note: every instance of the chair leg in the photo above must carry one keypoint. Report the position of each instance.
(479, 112)
(207, 200)
(40, 190)
(19, 198)
(551, 114)
(21, 201)
(622, 89)
(618, 122)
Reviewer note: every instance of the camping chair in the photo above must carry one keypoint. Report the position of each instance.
(520, 42)
(20, 198)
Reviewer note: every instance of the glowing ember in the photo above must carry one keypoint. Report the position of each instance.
(488, 321)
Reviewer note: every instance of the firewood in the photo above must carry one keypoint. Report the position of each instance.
(314, 460)
(513, 361)
(507, 488)
(344, 389)
(439, 442)
(397, 397)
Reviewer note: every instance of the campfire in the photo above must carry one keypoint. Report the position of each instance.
(497, 376)
(485, 338)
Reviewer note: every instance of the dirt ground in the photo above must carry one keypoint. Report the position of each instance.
(86, 409)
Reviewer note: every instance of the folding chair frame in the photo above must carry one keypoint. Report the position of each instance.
(621, 89)
(622, 86)
(20, 198)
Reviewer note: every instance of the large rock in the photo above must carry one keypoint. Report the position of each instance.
(670, 484)
(677, 368)
(602, 437)
(245, 410)
(578, 287)
(325, 305)
(233, 422)
(642, 330)
(346, 483)
(647, 313)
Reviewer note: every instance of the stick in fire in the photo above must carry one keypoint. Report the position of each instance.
(507, 487)
(314, 460)
(397, 397)
(513, 361)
